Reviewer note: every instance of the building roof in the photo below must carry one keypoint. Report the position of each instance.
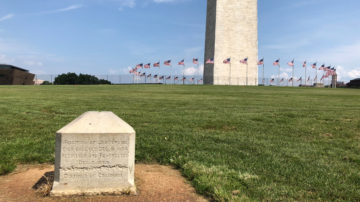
(6, 66)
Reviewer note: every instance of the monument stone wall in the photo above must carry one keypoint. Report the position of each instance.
(231, 32)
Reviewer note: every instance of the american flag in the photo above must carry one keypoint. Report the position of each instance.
(155, 76)
(167, 63)
(176, 78)
(200, 80)
(277, 62)
(149, 75)
(195, 61)
(147, 65)
(192, 79)
(184, 78)
(143, 74)
(161, 77)
(333, 70)
(322, 78)
(322, 67)
(272, 80)
(308, 78)
(168, 78)
(300, 79)
(182, 62)
(328, 73)
(244, 61)
(291, 79)
(291, 64)
(314, 65)
(282, 80)
(156, 64)
(227, 61)
(139, 65)
(132, 71)
(304, 64)
(210, 61)
(261, 62)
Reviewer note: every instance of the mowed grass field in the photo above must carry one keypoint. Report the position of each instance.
(264, 143)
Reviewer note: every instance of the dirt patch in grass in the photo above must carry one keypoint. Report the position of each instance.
(154, 183)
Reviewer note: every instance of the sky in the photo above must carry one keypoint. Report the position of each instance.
(111, 36)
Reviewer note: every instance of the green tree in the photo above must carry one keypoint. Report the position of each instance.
(81, 79)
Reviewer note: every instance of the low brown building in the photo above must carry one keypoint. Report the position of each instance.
(12, 75)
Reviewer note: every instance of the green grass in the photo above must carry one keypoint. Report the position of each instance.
(269, 143)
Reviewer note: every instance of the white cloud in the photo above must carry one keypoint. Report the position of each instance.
(5, 59)
(286, 69)
(355, 73)
(33, 63)
(344, 57)
(282, 75)
(61, 10)
(341, 73)
(127, 4)
(69, 8)
(7, 17)
(194, 71)
(345, 54)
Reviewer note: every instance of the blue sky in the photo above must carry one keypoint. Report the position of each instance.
(109, 36)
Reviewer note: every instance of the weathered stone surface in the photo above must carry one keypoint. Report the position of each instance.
(95, 154)
(231, 32)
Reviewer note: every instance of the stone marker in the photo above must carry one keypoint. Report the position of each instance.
(95, 154)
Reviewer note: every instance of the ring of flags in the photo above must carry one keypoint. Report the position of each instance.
(328, 71)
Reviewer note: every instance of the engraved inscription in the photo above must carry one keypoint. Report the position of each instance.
(98, 150)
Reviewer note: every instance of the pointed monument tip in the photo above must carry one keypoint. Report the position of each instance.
(97, 122)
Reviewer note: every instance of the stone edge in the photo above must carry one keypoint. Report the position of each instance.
(128, 191)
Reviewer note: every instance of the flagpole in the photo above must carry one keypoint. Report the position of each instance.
(247, 69)
(230, 72)
(183, 76)
(183, 73)
(292, 82)
(263, 79)
(279, 75)
(305, 76)
(198, 66)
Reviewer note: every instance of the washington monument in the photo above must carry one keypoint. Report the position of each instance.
(231, 32)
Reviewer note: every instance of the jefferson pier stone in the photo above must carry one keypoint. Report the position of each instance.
(231, 32)
(95, 154)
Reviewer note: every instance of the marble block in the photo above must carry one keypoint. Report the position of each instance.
(95, 154)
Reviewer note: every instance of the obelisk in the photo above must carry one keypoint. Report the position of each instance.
(231, 32)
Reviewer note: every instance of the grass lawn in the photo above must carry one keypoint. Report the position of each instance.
(269, 143)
